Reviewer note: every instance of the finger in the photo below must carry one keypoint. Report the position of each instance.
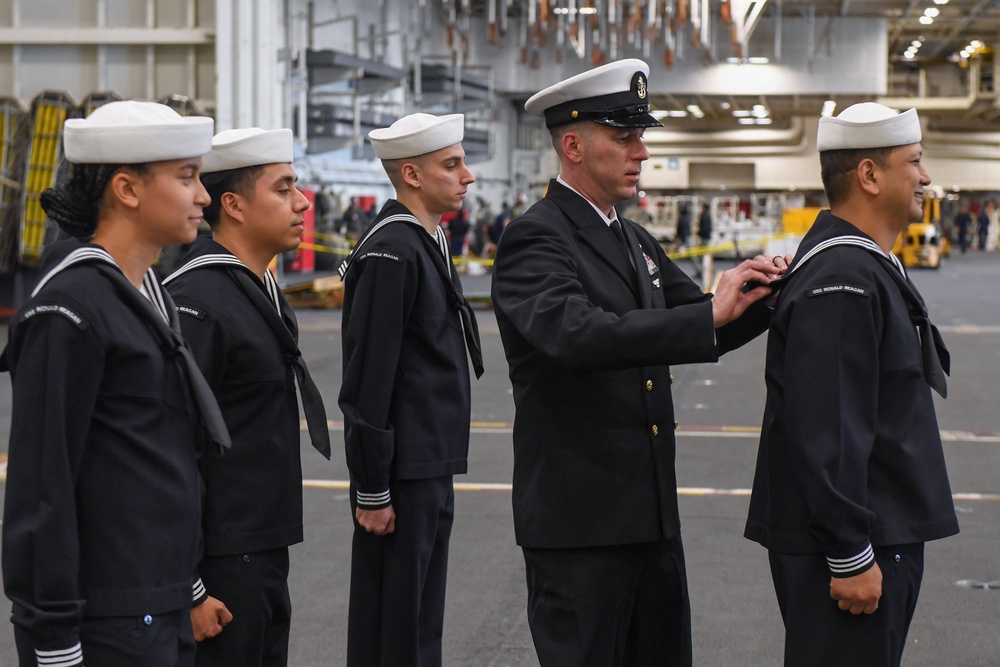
(225, 616)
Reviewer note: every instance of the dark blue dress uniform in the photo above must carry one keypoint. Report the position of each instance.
(405, 396)
(590, 329)
(851, 469)
(102, 512)
(253, 493)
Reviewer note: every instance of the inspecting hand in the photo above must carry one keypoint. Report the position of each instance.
(730, 301)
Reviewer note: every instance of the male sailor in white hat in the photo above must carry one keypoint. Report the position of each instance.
(102, 518)
(592, 313)
(405, 395)
(851, 477)
(240, 326)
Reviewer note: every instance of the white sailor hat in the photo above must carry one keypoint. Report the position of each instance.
(417, 134)
(868, 125)
(235, 149)
(130, 132)
(615, 94)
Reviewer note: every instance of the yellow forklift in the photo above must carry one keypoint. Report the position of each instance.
(922, 243)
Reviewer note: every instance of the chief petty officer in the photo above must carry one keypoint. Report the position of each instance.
(245, 338)
(591, 314)
(101, 519)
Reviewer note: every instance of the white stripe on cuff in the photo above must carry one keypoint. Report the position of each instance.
(67, 657)
(373, 498)
(842, 565)
(197, 589)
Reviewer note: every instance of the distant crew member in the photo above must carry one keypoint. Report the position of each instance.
(851, 476)
(591, 313)
(405, 396)
(245, 337)
(101, 517)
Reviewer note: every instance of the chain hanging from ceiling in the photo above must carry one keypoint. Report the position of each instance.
(604, 30)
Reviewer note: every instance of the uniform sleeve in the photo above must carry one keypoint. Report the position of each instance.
(56, 367)
(831, 394)
(536, 284)
(384, 293)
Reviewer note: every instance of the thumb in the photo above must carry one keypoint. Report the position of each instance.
(225, 616)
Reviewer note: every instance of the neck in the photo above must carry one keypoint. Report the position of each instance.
(429, 221)
(582, 186)
(131, 255)
(870, 222)
(255, 259)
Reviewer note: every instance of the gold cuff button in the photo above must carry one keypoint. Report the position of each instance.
(649, 385)
(676, 424)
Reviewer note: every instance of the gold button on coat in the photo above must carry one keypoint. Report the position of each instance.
(656, 430)
(649, 385)
(672, 378)
(676, 424)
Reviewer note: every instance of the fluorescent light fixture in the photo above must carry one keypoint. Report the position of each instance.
(933, 12)
(588, 10)
(741, 113)
(677, 113)
(758, 60)
(940, 2)
(926, 20)
(915, 43)
(659, 113)
(764, 121)
(725, 106)
(976, 44)
(747, 121)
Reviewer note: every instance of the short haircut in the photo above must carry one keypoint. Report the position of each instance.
(837, 166)
(394, 169)
(242, 181)
(559, 131)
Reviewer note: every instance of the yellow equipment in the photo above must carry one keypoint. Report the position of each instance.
(49, 111)
(919, 245)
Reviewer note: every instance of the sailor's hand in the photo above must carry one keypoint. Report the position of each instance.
(858, 594)
(380, 522)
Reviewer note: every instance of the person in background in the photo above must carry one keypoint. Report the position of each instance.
(963, 221)
(705, 225)
(245, 338)
(683, 236)
(851, 477)
(405, 396)
(982, 225)
(591, 313)
(500, 224)
(102, 512)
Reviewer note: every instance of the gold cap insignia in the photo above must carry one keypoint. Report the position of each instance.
(641, 87)
(575, 113)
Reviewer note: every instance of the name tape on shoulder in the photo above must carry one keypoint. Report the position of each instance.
(377, 254)
(839, 288)
(55, 309)
(188, 310)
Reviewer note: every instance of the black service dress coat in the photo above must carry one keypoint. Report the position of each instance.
(590, 336)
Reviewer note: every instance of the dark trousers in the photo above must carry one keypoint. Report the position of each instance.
(611, 606)
(818, 633)
(396, 612)
(254, 587)
(156, 640)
